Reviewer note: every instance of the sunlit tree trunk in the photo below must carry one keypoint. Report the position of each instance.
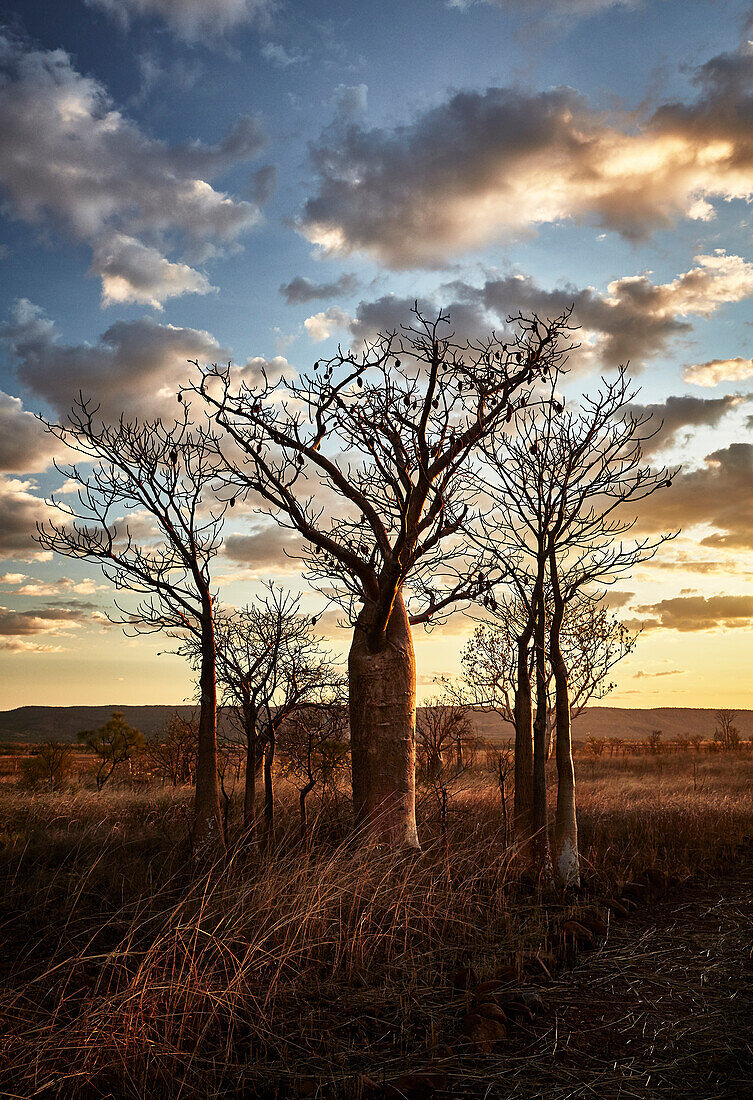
(207, 828)
(566, 858)
(540, 818)
(382, 694)
(269, 803)
(523, 811)
(249, 792)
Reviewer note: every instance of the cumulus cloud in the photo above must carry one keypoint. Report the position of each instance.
(17, 645)
(255, 369)
(190, 19)
(493, 164)
(135, 368)
(85, 587)
(671, 420)
(689, 613)
(714, 371)
(320, 326)
(633, 320)
(264, 549)
(300, 289)
(718, 495)
(133, 272)
(72, 161)
(24, 446)
(20, 509)
(48, 620)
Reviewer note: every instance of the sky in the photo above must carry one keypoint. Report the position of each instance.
(256, 180)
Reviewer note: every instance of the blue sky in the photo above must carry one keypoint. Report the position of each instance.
(167, 166)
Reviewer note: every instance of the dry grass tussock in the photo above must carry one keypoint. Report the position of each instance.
(126, 976)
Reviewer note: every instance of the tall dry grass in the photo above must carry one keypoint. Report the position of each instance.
(125, 975)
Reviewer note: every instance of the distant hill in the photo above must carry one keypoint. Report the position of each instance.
(63, 723)
(632, 724)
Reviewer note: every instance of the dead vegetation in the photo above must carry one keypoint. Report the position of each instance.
(316, 969)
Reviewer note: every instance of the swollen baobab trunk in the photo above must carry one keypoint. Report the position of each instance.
(207, 827)
(383, 730)
(566, 858)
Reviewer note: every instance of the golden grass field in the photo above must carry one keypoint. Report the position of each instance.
(305, 971)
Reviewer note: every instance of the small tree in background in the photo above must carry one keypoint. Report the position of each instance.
(314, 750)
(726, 734)
(171, 753)
(270, 662)
(50, 765)
(113, 744)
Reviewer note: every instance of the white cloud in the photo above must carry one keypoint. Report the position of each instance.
(135, 368)
(74, 162)
(487, 165)
(20, 509)
(714, 371)
(16, 645)
(320, 326)
(634, 319)
(133, 272)
(24, 445)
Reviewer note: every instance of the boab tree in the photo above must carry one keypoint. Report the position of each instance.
(566, 477)
(166, 475)
(385, 436)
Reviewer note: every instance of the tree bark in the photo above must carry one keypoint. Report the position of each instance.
(523, 809)
(249, 791)
(302, 795)
(566, 857)
(269, 804)
(540, 817)
(207, 828)
(382, 690)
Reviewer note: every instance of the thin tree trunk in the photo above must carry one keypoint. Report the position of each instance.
(382, 689)
(540, 817)
(249, 792)
(566, 858)
(302, 795)
(523, 808)
(207, 827)
(269, 804)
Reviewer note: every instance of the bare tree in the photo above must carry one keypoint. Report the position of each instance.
(389, 432)
(270, 662)
(566, 478)
(314, 746)
(593, 639)
(171, 753)
(167, 474)
(725, 731)
(445, 736)
(50, 764)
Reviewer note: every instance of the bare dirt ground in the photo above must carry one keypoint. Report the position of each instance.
(663, 1008)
